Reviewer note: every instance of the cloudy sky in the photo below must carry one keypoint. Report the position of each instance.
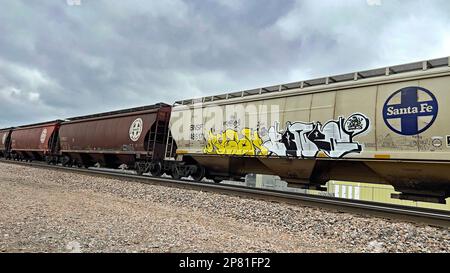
(59, 59)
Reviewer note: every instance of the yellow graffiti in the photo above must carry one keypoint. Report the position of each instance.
(229, 143)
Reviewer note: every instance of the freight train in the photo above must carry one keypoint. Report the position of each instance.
(385, 126)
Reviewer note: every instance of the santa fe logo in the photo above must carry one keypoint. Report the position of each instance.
(136, 129)
(410, 111)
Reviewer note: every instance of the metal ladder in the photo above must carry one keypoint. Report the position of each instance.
(161, 129)
(169, 154)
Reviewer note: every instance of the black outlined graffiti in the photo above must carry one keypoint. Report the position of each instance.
(355, 123)
(334, 138)
(288, 140)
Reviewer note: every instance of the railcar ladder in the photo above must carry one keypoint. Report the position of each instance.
(161, 129)
(170, 147)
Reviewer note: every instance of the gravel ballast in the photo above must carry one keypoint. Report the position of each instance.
(53, 211)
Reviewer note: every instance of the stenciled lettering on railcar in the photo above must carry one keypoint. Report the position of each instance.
(448, 141)
(298, 139)
(410, 111)
(136, 129)
(196, 132)
(43, 136)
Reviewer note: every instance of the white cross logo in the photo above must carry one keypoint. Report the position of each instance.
(136, 129)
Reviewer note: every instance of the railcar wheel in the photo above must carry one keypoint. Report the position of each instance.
(139, 169)
(199, 174)
(65, 161)
(156, 169)
(176, 172)
(49, 160)
(217, 180)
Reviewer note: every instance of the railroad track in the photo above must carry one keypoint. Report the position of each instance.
(390, 211)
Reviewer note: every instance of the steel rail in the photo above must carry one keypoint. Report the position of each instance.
(415, 215)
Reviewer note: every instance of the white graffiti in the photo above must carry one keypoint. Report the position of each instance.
(301, 139)
(43, 136)
(4, 139)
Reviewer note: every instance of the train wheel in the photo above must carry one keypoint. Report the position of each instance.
(65, 161)
(48, 160)
(199, 173)
(217, 180)
(176, 172)
(139, 169)
(156, 169)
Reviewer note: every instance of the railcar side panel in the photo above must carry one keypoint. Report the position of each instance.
(112, 140)
(391, 143)
(435, 140)
(5, 136)
(120, 134)
(360, 100)
(34, 142)
(373, 118)
(374, 126)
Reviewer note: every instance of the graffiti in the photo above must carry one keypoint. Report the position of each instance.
(230, 143)
(299, 139)
(355, 123)
(334, 139)
(234, 123)
(43, 136)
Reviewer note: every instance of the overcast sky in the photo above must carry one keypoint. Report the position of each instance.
(59, 59)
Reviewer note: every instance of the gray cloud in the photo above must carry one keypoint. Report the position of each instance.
(58, 60)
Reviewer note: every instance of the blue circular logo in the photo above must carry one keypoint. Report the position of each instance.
(410, 111)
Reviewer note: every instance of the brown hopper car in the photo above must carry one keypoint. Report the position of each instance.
(5, 136)
(35, 142)
(115, 138)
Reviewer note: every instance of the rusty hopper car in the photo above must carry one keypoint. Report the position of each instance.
(5, 136)
(388, 125)
(134, 137)
(35, 142)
